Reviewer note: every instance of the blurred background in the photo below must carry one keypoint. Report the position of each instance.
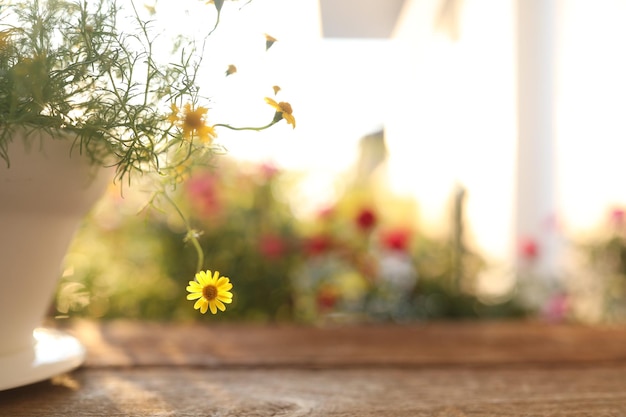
(452, 159)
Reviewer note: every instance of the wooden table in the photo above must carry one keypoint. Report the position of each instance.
(421, 369)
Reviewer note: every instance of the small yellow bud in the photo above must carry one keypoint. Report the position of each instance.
(269, 41)
(231, 70)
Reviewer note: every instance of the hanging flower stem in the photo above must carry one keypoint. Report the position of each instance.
(258, 129)
(192, 234)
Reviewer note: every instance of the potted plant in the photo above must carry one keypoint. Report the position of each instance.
(88, 96)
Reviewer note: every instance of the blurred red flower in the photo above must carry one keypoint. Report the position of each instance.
(202, 189)
(366, 219)
(396, 239)
(318, 244)
(271, 246)
(326, 298)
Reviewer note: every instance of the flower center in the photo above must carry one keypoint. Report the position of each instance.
(209, 292)
(285, 107)
(193, 120)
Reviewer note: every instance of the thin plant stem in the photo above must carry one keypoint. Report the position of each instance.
(192, 234)
(258, 129)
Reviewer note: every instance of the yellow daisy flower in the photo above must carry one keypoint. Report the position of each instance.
(193, 123)
(283, 111)
(210, 292)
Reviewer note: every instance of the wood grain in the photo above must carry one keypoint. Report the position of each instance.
(188, 391)
(453, 369)
(122, 343)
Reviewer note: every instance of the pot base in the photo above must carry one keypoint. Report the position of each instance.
(53, 352)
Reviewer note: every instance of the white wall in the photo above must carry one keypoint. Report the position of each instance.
(448, 107)
(453, 120)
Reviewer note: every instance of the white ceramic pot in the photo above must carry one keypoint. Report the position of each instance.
(45, 192)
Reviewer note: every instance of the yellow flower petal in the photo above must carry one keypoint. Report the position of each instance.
(194, 286)
(224, 299)
(203, 278)
(219, 305)
(226, 294)
(212, 306)
(273, 103)
(201, 304)
(194, 296)
(289, 119)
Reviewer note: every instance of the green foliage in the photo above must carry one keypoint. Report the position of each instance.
(596, 289)
(68, 65)
(358, 260)
(113, 78)
(138, 266)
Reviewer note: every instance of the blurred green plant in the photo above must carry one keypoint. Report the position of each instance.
(127, 87)
(365, 259)
(362, 259)
(243, 228)
(596, 287)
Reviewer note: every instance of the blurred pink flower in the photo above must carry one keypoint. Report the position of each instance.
(326, 213)
(617, 218)
(203, 192)
(556, 308)
(552, 223)
(528, 249)
(268, 170)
